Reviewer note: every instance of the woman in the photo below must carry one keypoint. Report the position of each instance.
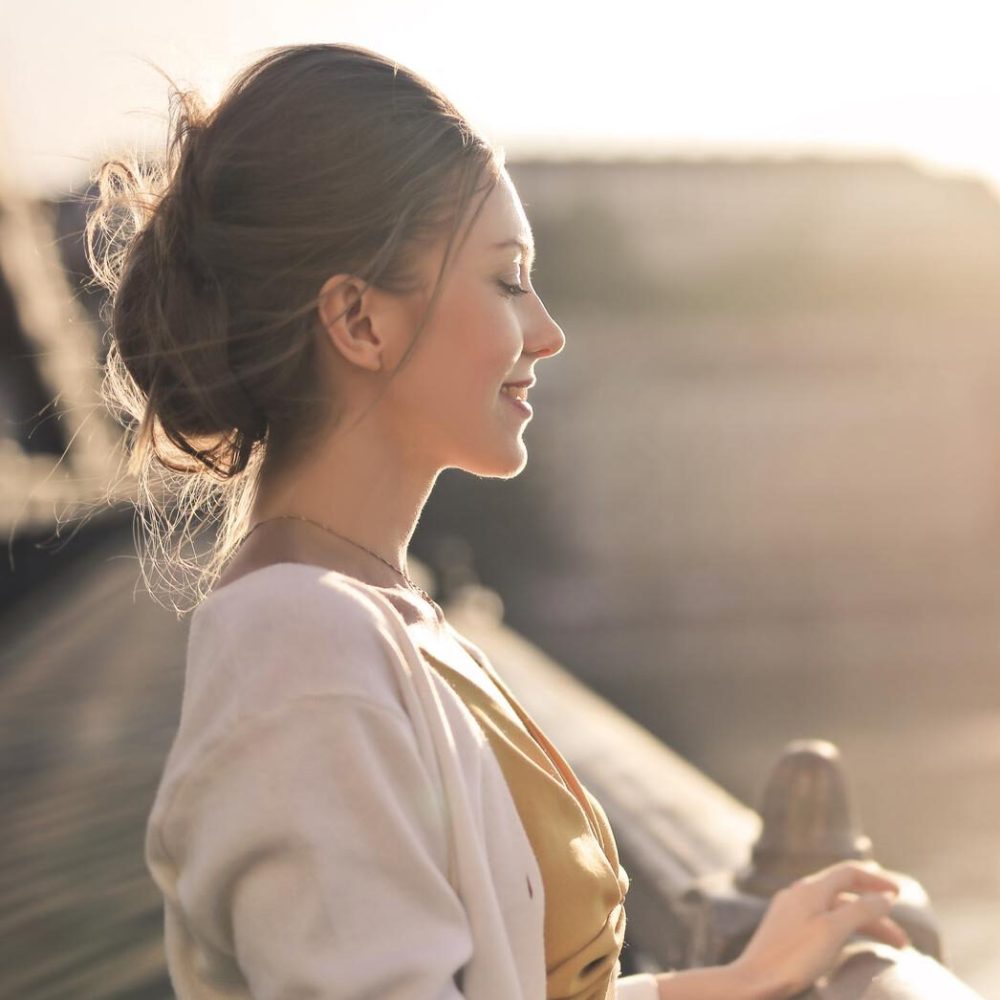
(326, 301)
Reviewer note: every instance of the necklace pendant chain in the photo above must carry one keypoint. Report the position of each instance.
(298, 517)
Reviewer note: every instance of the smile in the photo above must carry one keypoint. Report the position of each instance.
(516, 391)
(516, 396)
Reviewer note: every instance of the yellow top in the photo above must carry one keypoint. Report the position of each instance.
(584, 882)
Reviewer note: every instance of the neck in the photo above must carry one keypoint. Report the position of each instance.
(357, 483)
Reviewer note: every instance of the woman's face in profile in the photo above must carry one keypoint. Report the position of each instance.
(488, 327)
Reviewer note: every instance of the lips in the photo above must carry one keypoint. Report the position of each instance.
(519, 390)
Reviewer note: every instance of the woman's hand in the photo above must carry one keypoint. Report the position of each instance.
(809, 922)
(801, 934)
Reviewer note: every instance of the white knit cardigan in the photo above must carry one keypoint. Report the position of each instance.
(331, 821)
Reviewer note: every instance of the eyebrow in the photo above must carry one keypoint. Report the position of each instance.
(527, 250)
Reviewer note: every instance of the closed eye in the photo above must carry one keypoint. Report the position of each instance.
(512, 290)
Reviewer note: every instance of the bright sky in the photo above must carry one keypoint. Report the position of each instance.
(730, 76)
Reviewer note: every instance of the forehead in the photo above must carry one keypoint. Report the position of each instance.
(502, 227)
(503, 217)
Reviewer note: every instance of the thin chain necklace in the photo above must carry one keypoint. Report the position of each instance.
(298, 517)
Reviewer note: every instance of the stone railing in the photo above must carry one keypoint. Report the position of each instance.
(702, 865)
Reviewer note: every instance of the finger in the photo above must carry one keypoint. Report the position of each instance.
(844, 897)
(882, 929)
(851, 876)
(861, 912)
(886, 929)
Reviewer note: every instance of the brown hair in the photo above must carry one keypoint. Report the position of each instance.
(318, 160)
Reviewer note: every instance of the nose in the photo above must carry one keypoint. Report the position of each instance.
(544, 336)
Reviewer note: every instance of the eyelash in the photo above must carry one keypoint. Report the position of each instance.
(512, 290)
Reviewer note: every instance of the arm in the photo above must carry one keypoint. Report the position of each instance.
(717, 983)
(310, 850)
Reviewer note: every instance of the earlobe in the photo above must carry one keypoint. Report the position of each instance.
(344, 313)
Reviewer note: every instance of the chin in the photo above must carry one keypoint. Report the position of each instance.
(505, 464)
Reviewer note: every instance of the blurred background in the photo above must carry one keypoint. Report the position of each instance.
(763, 494)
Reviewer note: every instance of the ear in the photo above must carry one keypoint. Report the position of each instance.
(346, 314)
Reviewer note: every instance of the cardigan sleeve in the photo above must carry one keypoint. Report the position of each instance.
(308, 851)
(639, 986)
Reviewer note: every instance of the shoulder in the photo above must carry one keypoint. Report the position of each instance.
(286, 632)
(287, 591)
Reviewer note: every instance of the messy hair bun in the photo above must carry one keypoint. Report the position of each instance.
(318, 160)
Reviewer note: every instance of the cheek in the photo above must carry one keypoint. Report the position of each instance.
(485, 338)
(473, 345)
